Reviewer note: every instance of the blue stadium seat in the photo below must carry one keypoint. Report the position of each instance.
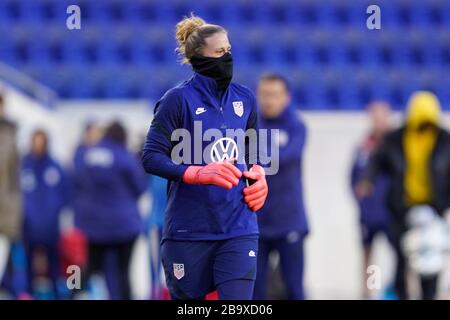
(334, 61)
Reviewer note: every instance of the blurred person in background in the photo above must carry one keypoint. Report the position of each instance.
(374, 216)
(92, 133)
(73, 244)
(154, 224)
(74, 238)
(45, 194)
(282, 221)
(10, 194)
(112, 180)
(416, 159)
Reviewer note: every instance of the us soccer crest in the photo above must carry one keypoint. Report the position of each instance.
(238, 107)
(178, 270)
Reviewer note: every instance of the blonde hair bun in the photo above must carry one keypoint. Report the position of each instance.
(191, 33)
(185, 28)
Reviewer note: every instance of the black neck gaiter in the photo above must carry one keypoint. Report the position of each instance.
(220, 69)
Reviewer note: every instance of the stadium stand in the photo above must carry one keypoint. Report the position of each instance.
(125, 49)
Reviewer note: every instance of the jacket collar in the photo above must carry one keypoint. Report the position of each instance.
(207, 83)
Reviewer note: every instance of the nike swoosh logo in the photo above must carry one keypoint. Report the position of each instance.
(199, 111)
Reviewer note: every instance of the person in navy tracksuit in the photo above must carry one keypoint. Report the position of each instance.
(90, 136)
(45, 192)
(374, 216)
(210, 236)
(282, 222)
(112, 181)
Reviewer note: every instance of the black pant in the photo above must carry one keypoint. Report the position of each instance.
(400, 282)
(97, 254)
(428, 283)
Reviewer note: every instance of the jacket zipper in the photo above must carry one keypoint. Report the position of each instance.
(223, 126)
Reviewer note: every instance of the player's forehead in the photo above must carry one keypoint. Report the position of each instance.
(218, 40)
(271, 84)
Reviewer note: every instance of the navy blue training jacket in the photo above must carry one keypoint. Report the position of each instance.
(45, 194)
(284, 210)
(200, 212)
(109, 182)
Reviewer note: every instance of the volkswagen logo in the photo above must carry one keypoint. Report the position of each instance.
(224, 149)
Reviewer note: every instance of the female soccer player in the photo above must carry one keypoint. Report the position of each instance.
(110, 182)
(210, 236)
(45, 194)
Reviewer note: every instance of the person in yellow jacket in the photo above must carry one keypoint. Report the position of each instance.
(416, 158)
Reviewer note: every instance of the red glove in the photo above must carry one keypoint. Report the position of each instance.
(256, 194)
(222, 174)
